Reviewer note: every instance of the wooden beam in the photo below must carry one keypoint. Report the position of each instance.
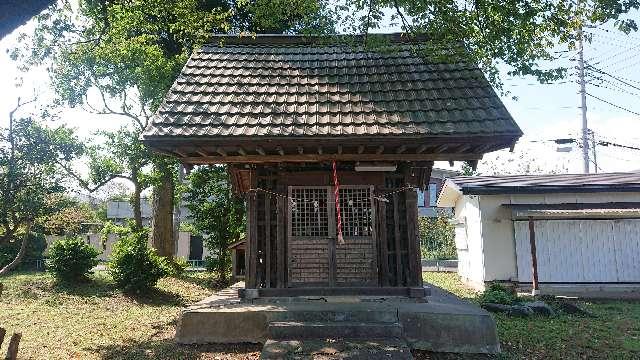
(221, 151)
(279, 150)
(328, 157)
(413, 246)
(280, 242)
(260, 150)
(202, 152)
(464, 148)
(242, 151)
(396, 229)
(441, 148)
(534, 257)
(401, 149)
(421, 149)
(380, 149)
(12, 349)
(252, 242)
(383, 244)
(360, 149)
(180, 153)
(267, 239)
(473, 164)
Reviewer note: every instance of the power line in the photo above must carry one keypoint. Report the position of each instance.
(617, 33)
(614, 105)
(612, 76)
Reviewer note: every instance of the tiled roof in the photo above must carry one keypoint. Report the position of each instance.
(547, 183)
(297, 88)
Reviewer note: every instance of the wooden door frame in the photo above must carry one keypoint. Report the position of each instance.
(332, 235)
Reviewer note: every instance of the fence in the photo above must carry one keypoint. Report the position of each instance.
(14, 342)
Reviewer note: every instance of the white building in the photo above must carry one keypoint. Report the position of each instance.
(564, 234)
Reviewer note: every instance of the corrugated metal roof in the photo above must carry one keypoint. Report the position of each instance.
(294, 87)
(620, 181)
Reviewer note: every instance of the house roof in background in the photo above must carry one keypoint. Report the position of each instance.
(513, 184)
(286, 86)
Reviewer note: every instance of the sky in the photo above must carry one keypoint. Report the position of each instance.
(543, 111)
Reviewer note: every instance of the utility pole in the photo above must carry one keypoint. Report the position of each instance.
(594, 143)
(583, 107)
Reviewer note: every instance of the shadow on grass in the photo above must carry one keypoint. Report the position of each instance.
(168, 349)
(427, 355)
(100, 285)
(203, 279)
(93, 286)
(157, 297)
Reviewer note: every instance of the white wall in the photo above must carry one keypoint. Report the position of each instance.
(105, 248)
(491, 230)
(468, 240)
(586, 251)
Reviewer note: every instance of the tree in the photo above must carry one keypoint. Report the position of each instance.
(120, 58)
(216, 212)
(67, 217)
(122, 156)
(30, 173)
(521, 34)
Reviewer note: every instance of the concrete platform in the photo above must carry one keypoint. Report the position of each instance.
(373, 349)
(443, 323)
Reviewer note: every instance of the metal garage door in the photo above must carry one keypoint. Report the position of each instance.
(580, 251)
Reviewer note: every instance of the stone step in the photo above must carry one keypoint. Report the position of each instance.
(334, 329)
(375, 316)
(371, 349)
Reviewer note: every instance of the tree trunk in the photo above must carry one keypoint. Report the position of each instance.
(162, 233)
(23, 250)
(135, 200)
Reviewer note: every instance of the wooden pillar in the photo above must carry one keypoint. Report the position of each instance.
(383, 249)
(252, 242)
(267, 239)
(534, 257)
(280, 242)
(397, 238)
(414, 277)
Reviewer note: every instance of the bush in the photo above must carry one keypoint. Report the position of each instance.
(134, 266)
(498, 294)
(178, 266)
(437, 238)
(71, 259)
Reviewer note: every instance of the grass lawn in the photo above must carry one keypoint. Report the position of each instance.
(96, 321)
(614, 333)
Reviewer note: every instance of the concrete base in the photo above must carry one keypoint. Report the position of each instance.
(587, 291)
(373, 349)
(443, 324)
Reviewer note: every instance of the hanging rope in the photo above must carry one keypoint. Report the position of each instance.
(336, 195)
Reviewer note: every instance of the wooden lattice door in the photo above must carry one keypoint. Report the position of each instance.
(314, 256)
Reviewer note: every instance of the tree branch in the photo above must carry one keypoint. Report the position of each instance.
(405, 23)
(23, 249)
(85, 184)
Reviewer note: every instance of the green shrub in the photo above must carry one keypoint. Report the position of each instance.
(437, 238)
(178, 266)
(71, 259)
(134, 266)
(498, 294)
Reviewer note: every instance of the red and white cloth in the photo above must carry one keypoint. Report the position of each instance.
(336, 193)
